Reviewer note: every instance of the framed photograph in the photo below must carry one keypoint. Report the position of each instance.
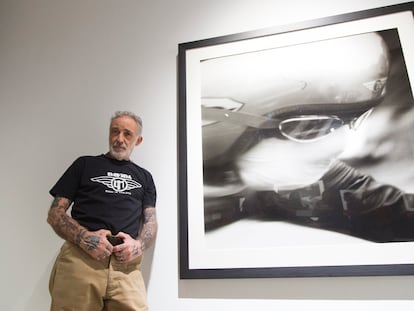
(296, 149)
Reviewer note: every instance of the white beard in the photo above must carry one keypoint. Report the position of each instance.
(123, 155)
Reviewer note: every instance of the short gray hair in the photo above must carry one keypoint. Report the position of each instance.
(130, 114)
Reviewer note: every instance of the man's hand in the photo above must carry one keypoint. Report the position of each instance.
(95, 243)
(128, 250)
(133, 248)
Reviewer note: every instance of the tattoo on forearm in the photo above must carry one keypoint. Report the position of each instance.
(149, 228)
(135, 250)
(67, 223)
(80, 235)
(64, 225)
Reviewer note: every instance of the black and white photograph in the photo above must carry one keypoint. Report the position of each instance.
(302, 143)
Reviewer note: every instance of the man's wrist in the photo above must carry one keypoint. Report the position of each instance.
(141, 244)
(80, 236)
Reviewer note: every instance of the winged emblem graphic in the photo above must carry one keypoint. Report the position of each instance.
(116, 183)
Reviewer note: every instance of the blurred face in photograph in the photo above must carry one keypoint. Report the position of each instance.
(293, 108)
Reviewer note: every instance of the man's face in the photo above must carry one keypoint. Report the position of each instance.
(293, 92)
(124, 135)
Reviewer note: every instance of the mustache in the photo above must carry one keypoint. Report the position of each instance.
(118, 145)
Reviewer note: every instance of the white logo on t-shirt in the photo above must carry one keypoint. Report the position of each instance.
(118, 182)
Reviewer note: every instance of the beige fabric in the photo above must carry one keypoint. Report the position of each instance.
(80, 283)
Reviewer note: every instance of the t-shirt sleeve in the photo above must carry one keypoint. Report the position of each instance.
(68, 183)
(150, 193)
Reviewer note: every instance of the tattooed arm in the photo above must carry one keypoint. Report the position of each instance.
(94, 243)
(149, 228)
(131, 248)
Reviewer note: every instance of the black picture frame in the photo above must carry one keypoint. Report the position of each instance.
(191, 168)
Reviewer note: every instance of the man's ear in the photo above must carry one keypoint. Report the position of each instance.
(139, 140)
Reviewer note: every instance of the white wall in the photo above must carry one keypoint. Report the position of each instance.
(65, 66)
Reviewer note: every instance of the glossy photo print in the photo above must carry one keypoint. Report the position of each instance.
(299, 151)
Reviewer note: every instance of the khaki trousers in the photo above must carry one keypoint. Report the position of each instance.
(80, 283)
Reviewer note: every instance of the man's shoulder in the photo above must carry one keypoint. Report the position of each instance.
(140, 168)
(84, 159)
(90, 157)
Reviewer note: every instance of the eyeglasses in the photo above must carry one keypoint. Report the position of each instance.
(300, 128)
(309, 128)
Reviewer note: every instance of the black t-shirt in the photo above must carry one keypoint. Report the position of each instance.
(107, 193)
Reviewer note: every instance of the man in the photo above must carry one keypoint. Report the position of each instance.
(112, 222)
(275, 126)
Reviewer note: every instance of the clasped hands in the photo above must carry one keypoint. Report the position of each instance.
(96, 244)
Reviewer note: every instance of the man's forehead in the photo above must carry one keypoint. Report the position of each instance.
(124, 122)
